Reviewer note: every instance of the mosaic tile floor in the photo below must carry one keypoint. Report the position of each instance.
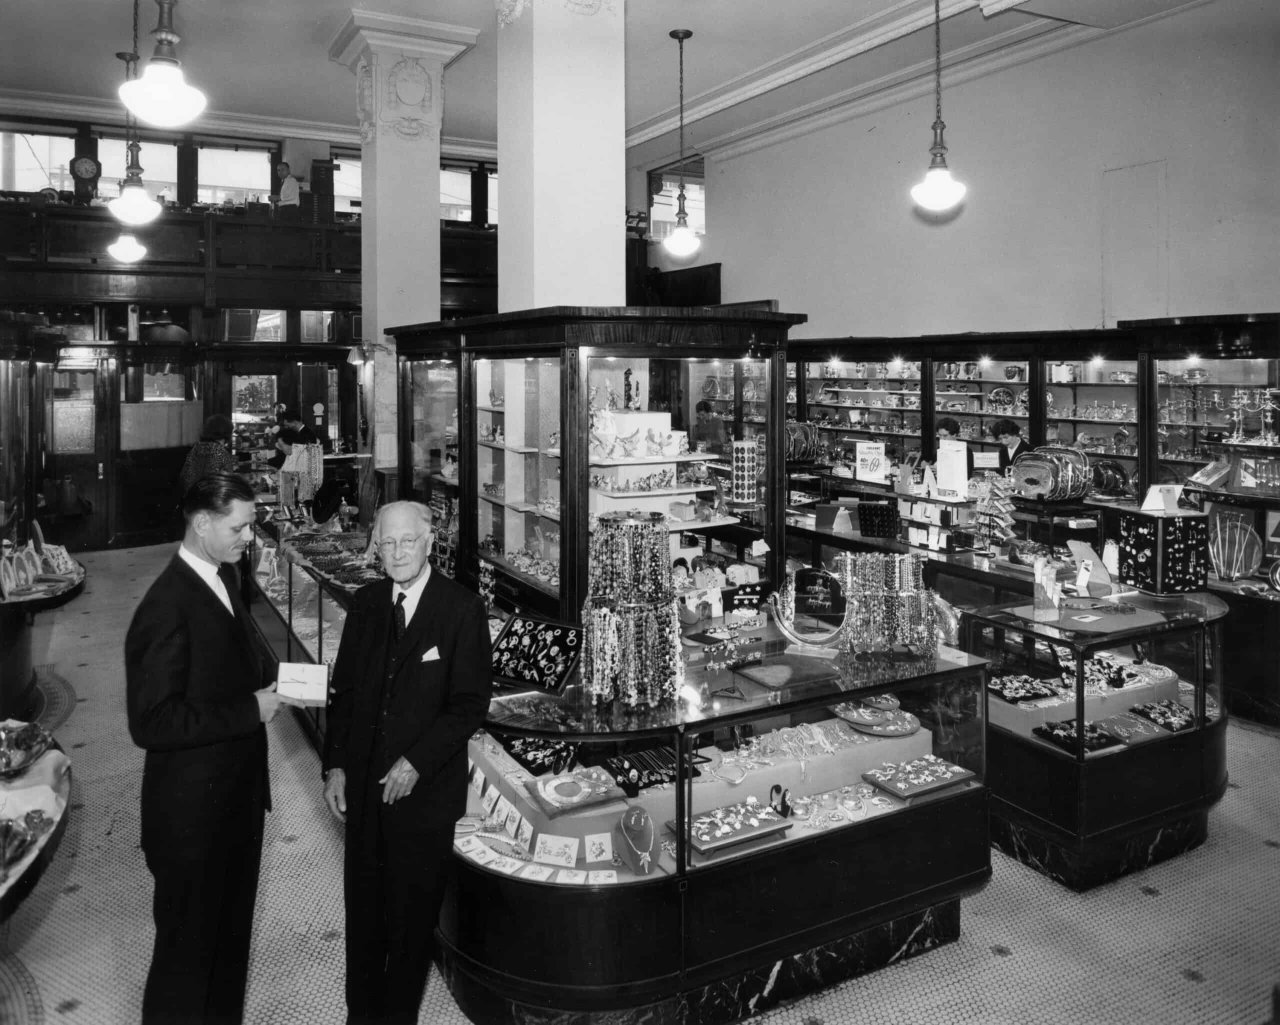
(1194, 940)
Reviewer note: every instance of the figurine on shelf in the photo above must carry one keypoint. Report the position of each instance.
(626, 388)
(495, 400)
(612, 396)
(498, 437)
(652, 441)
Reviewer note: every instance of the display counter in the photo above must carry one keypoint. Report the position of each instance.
(17, 616)
(800, 823)
(37, 800)
(1106, 744)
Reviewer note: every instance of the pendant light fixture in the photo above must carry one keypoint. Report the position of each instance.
(162, 97)
(127, 249)
(682, 241)
(134, 206)
(939, 192)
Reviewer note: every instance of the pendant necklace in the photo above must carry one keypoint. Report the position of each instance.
(645, 855)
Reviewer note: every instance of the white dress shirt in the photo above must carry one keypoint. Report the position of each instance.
(412, 595)
(209, 574)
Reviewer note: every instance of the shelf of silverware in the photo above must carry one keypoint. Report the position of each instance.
(532, 471)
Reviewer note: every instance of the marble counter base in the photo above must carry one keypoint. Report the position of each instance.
(736, 997)
(1092, 862)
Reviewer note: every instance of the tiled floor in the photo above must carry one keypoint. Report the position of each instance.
(1194, 940)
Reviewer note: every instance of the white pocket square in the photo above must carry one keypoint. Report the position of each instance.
(432, 655)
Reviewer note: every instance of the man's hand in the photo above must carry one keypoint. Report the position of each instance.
(268, 703)
(335, 793)
(399, 782)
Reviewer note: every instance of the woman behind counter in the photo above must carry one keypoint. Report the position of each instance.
(210, 454)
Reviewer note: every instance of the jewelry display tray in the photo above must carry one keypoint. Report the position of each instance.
(769, 827)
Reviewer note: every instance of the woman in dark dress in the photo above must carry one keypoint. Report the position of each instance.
(210, 454)
(1012, 444)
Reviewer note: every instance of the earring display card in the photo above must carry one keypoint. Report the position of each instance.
(1164, 554)
(534, 651)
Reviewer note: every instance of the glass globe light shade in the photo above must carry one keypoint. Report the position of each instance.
(127, 249)
(161, 96)
(133, 206)
(938, 192)
(683, 241)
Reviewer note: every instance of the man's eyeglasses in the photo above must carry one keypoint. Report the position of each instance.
(404, 544)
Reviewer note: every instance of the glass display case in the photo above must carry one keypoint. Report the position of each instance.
(585, 819)
(1092, 405)
(979, 392)
(569, 413)
(1106, 744)
(429, 390)
(517, 458)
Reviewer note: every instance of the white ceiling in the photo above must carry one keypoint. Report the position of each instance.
(752, 66)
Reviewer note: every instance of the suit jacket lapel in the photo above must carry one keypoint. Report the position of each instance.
(199, 587)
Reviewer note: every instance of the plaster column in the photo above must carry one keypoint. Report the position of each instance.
(562, 153)
(399, 66)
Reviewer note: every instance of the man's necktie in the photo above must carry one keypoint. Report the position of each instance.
(400, 625)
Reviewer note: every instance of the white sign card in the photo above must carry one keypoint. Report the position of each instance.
(953, 468)
(1162, 498)
(986, 460)
(477, 781)
(872, 466)
(489, 798)
(599, 847)
(561, 851)
(602, 877)
(573, 876)
(538, 873)
(301, 683)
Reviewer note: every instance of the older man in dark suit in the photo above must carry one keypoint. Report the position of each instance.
(198, 698)
(410, 686)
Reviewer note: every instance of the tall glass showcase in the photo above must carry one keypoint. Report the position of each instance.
(430, 396)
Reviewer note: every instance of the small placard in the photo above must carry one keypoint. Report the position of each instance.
(872, 467)
(477, 781)
(599, 847)
(302, 683)
(489, 798)
(524, 833)
(1162, 498)
(561, 851)
(986, 460)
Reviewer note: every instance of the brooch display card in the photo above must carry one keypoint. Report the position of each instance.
(524, 833)
(733, 824)
(598, 847)
(467, 844)
(1127, 727)
(480, 853)
(1172, 715)
(1021, 687)
(916, 777)
(602, 877)
(502, 811)
(561, 851)
(501, 863)
(1064, 735)
(572, 876)
(489, 798)
(535, 652)
(538, 873)
(476, 781)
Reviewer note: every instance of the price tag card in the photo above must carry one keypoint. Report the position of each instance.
(561, 851)
(872, 467)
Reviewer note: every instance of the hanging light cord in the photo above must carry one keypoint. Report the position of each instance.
(937, 59)
(681, 42)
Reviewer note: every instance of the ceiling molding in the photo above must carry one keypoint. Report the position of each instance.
(965, 65)
(901, 19)
(891, 91)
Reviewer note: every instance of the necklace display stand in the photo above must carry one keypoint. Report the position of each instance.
(636, 841)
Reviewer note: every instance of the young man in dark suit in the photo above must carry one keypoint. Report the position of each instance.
(410, 686)
(198, 697)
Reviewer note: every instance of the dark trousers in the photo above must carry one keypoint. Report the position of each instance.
(203, 910)
(394, 885)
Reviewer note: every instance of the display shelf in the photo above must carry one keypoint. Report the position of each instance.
(691, 489)
(685, 457)
(491, 409)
